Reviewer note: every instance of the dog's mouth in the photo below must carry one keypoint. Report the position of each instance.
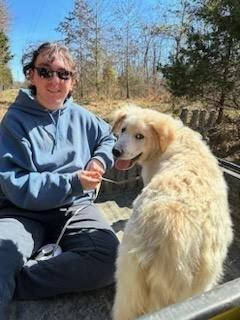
(126, 164)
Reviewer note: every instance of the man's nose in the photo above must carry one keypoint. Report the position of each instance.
(55, 76)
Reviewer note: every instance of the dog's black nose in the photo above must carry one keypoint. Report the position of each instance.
(116, 152)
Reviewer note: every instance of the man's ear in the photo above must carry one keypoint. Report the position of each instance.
(164, 134)
(117, 121)
(29, 75)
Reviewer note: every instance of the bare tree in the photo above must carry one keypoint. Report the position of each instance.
(127, 34)
(99, 9)
(83, 29)
(76, 29)
(184, 17)
(153, 36)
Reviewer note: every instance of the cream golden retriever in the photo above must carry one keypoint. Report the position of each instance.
(177, 237)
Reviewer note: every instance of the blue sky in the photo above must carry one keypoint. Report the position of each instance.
(34, 22)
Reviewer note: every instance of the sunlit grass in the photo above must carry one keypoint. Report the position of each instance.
(103, 107)
(6, 98)
(8, 95)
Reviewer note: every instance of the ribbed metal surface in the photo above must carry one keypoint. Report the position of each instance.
(230, 168)
(202, 307)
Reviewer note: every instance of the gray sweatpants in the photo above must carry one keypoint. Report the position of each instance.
(89, 251)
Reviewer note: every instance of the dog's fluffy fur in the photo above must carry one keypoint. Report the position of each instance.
(177, 237)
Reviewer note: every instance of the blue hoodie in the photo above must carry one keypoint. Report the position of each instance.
(41, 152)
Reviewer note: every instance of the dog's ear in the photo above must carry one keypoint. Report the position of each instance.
(164, 134)
(117, 121)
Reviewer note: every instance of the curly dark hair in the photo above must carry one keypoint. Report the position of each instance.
(30, 57)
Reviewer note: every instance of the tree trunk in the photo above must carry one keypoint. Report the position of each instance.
(221, 108)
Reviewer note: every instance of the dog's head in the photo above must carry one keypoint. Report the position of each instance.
(142, 134)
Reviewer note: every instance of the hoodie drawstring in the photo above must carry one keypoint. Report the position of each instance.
(55, 122)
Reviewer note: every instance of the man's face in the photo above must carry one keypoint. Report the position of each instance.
(51, 91)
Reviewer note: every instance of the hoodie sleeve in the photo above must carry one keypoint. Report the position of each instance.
(103, 142)
(19, 179)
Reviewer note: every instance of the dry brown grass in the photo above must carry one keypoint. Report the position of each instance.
(105, 107)
(6, 98)
(224, 138)
(102, 107)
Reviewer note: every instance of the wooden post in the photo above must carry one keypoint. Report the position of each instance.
(194, 120)
(202, 120)
(211, 119)
(184, 114)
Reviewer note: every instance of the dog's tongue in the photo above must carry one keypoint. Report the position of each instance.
(122, 164)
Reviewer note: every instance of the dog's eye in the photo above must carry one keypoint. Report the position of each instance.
(123, 129)
(139, 136)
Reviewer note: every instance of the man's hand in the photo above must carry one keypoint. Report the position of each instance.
(95, 165)
(89, 179)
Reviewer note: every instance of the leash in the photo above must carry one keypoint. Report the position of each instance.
(122, 181)
(54, 249)
(67, 224)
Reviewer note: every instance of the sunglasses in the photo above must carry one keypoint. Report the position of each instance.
(48, 73)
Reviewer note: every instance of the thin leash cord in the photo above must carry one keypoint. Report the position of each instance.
(84, 207)
(68, 222)
(121, 182)
(66, 225)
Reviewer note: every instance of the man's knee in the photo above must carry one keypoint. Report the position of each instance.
(97, 261)
(106, 243)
